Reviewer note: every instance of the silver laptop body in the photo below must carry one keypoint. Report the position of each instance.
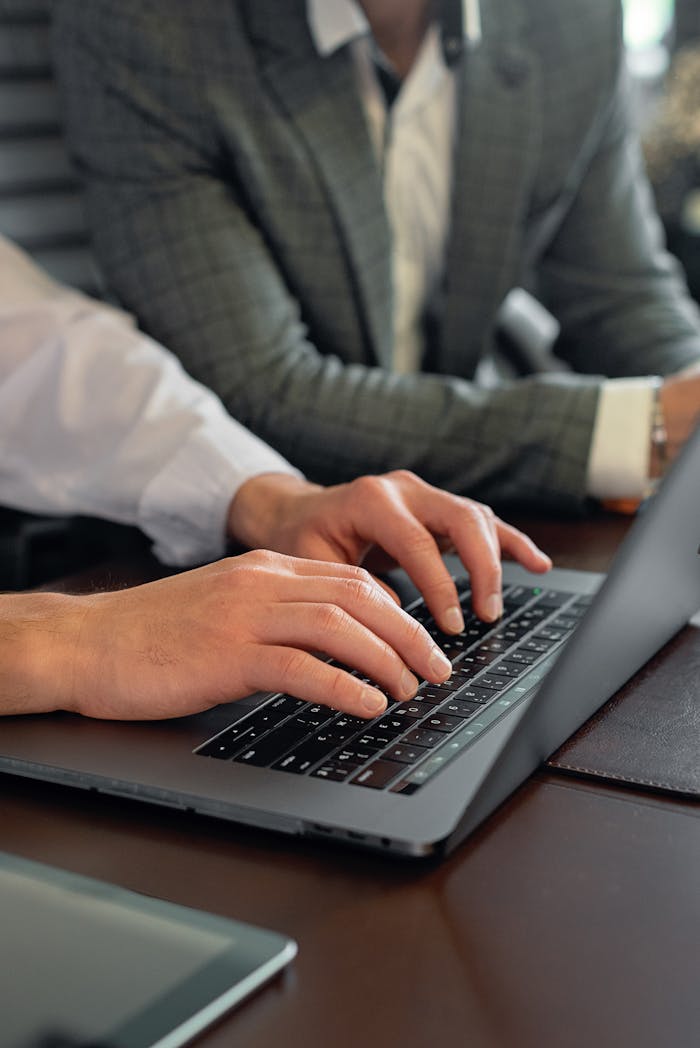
(651, 591)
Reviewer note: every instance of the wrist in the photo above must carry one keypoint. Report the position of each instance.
(40, 652)
(262, 506)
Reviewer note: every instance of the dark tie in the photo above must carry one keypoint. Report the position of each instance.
(390, 83)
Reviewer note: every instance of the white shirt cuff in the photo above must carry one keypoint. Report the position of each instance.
(618, 464)
(185, 506)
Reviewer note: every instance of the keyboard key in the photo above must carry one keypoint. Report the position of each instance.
(475, 694)
(519, 595)
(391, 725)
(272, 746)
(533, 614)
(435, 695)
(305, 756)
(509, 669)
(459, 708)
(478, 659)
(511, 634)
(378, 774)
(454, 646)
(340, 731)
(493, 682)
(547, 633)
(439, 722)
(537, 645)
(286, 704)
(291, 762)
(464, 670)
(426, 702)
(376, 739)
(422, 737)
(349, 724)
(553, 599)
(409, 710)
(565, 622)
(358, 754)
(406, 754)
(446, 687)
(584, 601)
(477, 631)
(333, 772)
(522, 655)
(314, 717)
(226, 745)
(495, 645)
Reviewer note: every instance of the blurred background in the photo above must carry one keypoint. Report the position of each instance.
(663, 48)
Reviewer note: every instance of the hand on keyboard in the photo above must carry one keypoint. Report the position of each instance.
(380, 521)
(249, 623)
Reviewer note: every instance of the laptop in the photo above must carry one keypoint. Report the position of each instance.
(419, 779)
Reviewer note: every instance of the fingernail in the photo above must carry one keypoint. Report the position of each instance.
(409, 684)
(373, 702)
(494, 607)
(440, 665)
(454, 619)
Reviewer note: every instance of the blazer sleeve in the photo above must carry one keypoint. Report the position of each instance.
(180, 249)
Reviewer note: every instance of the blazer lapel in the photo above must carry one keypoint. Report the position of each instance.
(320, 98)
(497, 149)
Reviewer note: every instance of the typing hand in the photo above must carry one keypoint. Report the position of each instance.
(248, 623)
(394, 518)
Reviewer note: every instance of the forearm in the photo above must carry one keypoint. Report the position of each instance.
(40, 652)
(500, 445)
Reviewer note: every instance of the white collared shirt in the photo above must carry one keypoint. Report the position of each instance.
(97, 419)
(415, 143)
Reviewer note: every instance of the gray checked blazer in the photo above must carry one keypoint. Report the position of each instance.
(237, 210)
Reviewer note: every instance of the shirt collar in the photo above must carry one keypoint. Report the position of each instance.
(334, 23)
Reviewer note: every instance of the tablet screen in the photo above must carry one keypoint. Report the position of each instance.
(87, 964)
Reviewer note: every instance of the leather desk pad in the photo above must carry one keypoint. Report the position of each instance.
(648, 734)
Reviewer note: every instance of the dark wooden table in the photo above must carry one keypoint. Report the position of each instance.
(571, 918)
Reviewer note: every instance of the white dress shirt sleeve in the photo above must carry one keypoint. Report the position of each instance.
(97, 419)
(618, 464)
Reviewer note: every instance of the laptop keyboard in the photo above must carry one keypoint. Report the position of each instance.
(494, 666)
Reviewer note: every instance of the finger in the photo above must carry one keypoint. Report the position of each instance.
(333, 631)
(399, 531)
(357, 623)
(391, 593)
(306, 567)
(414, 513)
(307, 677)
(479, 550)
(287, 574)
(520, 547)
(415, 549)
